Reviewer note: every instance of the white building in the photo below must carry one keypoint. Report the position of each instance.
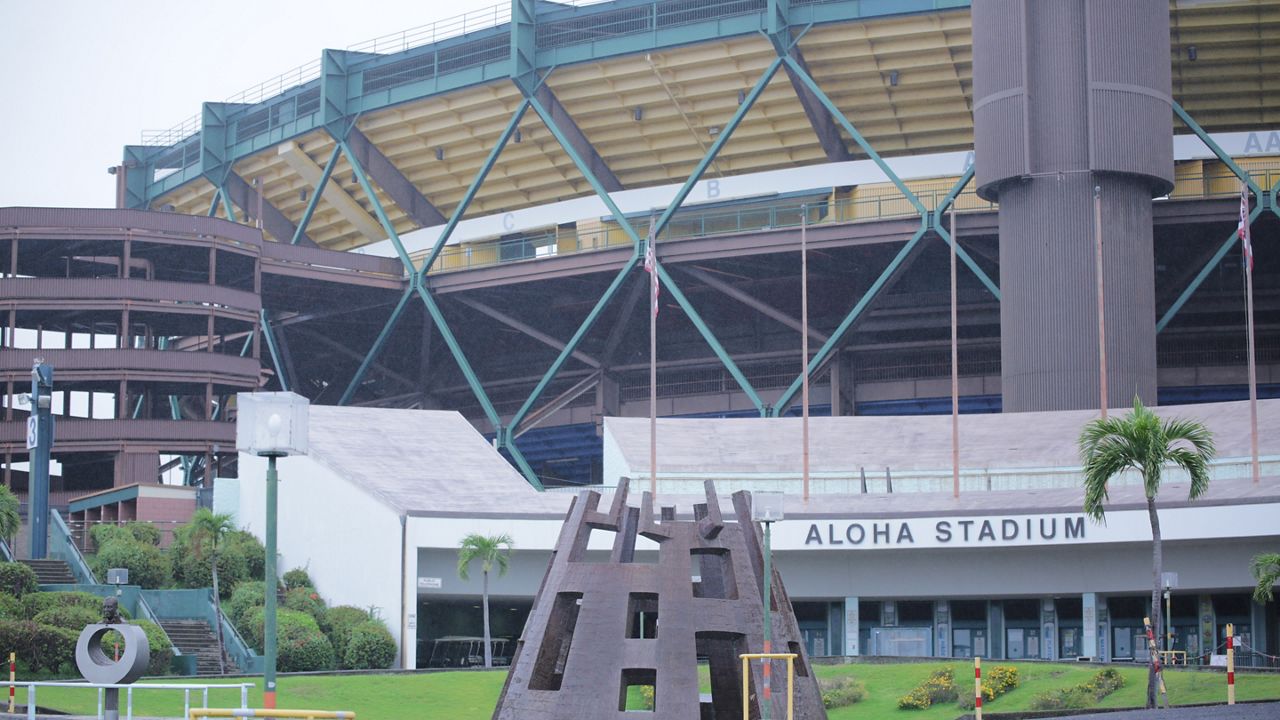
(1009, 568)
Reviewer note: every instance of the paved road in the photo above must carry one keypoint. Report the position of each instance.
(1246, 711)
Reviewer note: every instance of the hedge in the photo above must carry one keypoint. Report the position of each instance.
(17, 579)
(306, 599)
(68, 617)
(39, 647)
(341, 621)
(36, 603)
(148, 565)
(371, 647)
(297, 578)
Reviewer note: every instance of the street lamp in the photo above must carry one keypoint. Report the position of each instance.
(766, 507)
(1170, 581)
(271, 425)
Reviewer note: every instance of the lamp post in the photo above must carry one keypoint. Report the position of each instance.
(766, 508)
(39, 443)
(1170, 581)
(271, 425)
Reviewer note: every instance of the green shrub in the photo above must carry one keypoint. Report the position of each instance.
(68, 617)
(246, 596)
(243, 544)
(301, 646)
(341, 620)
(297, 578)
(11, 608)
(1084, 695)
(144, 532)
(371, 647)
(40, 647)
(240, 559)
(103, 533)
(842, 691)
(940, 687)
(17, 579)
(285, 618)
(39, 602)
(306, 599)
(148, 566)
(995, 682)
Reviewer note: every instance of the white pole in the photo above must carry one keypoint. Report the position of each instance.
(804, 345)
(955, 371)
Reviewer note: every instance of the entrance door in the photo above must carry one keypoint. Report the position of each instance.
(1022, 643)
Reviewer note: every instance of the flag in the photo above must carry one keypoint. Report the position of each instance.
(1243, 228)
(651, 267)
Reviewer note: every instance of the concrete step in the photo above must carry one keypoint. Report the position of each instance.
(195, 637)
(51, 572)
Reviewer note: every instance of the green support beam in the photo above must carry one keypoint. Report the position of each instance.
(584, 167)
(1264, 198)
(472, 189)
(315, 195)
(369, 357)
(942, 231)
(838, 334)
(271, 348)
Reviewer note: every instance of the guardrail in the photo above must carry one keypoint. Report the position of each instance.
(62, 546)
(270, 713)
(128, 714)
(693, 224)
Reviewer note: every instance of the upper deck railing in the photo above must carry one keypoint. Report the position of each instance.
(694, 224)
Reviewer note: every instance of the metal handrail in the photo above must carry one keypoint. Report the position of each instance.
(128, 714)
(74, 559)
(888, 204)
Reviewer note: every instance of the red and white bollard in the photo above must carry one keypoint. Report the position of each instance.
(977, 688)
(1231, 665)
(13, 674)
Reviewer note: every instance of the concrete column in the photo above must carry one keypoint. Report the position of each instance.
(1068, 96)
(1049, 649)
(942, 628)
(851, 627)
(995, 629)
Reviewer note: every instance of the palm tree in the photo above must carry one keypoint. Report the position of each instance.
(1142, 441)
(1266, 570)
(208, 526)
(10, 517)
(489, 550)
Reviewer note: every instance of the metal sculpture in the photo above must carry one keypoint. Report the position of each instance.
(99, 668)
(602, 626)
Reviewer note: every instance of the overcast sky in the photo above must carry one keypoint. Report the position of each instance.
(82, 78)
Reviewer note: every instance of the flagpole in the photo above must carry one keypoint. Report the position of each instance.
(1102, 324)
(1253, 373)
(955, 371)
(1246, 255)
(651, 264)
(804, 344)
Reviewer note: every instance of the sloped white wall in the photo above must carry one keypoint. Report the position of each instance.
(349, 542)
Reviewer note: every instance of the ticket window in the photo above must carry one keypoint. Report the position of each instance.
(1069, 641)
(969, 642)
(1022, 643)
(1130, 644)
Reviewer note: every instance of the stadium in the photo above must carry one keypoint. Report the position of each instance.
(455, 218)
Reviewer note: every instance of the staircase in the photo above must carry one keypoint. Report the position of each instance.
(194, 637)
(51, 572)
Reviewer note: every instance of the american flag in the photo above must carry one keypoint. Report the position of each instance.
(651, 267)
(1243, 228)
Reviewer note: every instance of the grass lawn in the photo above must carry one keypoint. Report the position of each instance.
(471, 695)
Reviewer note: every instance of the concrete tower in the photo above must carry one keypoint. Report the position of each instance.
(1070, 95)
